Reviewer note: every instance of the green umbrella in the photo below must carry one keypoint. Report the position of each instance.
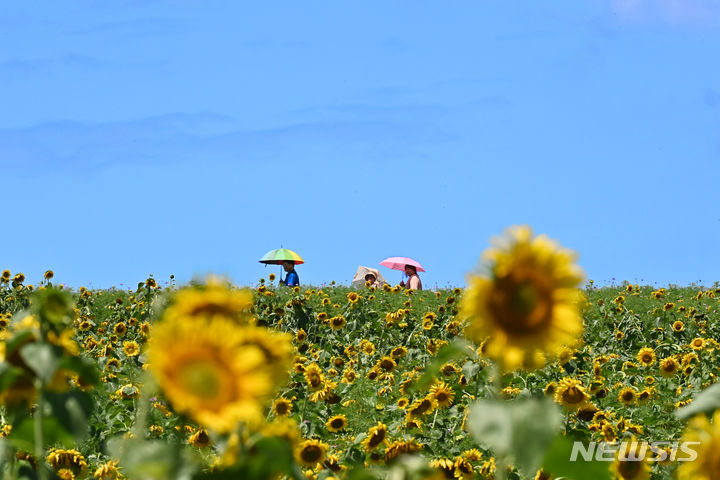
(280, 255)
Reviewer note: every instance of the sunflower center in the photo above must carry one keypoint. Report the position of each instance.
(387, 365)
(211, 308)
(314, 380)
(202, 378)
(376, 439)
(311, 453)
(522, 304)
(573, 395)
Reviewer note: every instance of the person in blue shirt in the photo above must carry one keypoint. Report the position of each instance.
(291, 279)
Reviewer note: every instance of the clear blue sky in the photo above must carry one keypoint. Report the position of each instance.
(184, 137)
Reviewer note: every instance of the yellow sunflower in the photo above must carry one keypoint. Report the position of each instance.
(398, 352)
(108, 471)
(200, 439)
(400, 447)
(627, 396)
(349, 375)
(669, 366)
(336, 423)
(474, 455)
(367, 347)
(529, 302)
(707, 464)
(550, 389)
(131, 348)
(646, 356)
(443, 394)
(386, 364)
(463, 469)
(698, 343)
(423, 406)
(314, 377)
(282, 407)
(338, 322)
(645, 395)
(311, 452)
(71, 459)
(445, 465)
(376, 436)
(571, 394)
(216, 373)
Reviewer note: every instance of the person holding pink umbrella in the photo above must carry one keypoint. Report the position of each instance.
(409, 266)
(413, 281)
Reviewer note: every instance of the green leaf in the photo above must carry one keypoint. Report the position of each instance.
(153, 460)
(557, 462)
(490, 423)
(360, 474)
(706, 401)
(16, 341)
(23, 434)
(41, 358)
(354, 456)
(8, 375)
(470, 369)
(85, 368)
(270, 456)
(72, 410)
(521, 430)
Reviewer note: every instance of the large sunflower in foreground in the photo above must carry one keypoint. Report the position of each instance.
(707, 464)
(214, 371)
(527, 303)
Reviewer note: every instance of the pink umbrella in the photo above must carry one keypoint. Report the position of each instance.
(398, 263)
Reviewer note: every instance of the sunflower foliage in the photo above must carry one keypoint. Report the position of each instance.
(43, 377)
(213, 381)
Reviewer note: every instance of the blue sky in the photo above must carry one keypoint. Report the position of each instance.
(185, 137)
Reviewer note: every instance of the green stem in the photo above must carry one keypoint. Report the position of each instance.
(142, 409)
(497, 380)
(38, 425)
(477, 384)
(302, 414)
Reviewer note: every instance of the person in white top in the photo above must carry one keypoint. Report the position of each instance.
(374, 282)
(413, 281)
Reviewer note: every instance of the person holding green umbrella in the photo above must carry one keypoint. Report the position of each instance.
(291, 279)
(288, 259)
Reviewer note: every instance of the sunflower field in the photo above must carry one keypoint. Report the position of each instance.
(500, 380)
